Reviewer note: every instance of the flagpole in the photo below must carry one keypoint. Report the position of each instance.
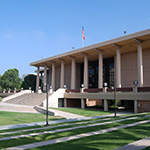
(82, 42)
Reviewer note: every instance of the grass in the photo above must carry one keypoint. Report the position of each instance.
(56, 127)
(109, 140)
(84, 112)
(81, 121)
(10, 118)
(44, 137)
(1, 99)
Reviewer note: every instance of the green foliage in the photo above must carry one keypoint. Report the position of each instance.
(111, 103)
(29, 81)
(0, 83)
(1, 99)
(11, 80)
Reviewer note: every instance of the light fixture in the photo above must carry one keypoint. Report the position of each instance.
(105, 84)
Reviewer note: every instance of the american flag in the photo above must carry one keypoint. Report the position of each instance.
(83, 35)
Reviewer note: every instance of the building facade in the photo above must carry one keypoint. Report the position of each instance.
(118, 62)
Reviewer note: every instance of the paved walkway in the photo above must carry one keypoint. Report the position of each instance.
(50, 122)
(27, 146)
(50, 127)
(138, 145)
(17, 108)
(5, 127)
(65, 114)
(30, 109)
(62, 130)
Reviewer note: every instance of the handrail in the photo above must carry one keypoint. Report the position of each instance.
(124, 89)
(94, 90)
(143, 89)
(72, 90)
(97, 90)
(10, 91)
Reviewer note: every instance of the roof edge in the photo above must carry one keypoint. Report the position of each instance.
(111, 41)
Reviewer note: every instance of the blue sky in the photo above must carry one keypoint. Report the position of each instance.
(32, 29)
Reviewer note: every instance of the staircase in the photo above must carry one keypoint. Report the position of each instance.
(30, 99)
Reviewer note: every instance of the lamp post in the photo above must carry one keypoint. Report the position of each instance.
(114, 88)
(135, 83)
(135, 100)
(47, 86)
(115, 114)
(82, 85)
(105, 84)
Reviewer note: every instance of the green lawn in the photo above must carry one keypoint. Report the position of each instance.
(9, 118)
(84, 112)
(107, 141)
(142, 131)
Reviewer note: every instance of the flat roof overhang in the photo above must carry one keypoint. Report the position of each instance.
(126, 42)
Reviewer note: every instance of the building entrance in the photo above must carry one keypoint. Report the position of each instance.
(108, 73)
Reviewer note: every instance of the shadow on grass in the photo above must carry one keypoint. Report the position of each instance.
(110, 140)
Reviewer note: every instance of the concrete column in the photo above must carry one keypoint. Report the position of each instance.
(140, 63)
(45, 78)
(53, 76)
(42, 81)
(105, 100)
(82, 104)
(65, 102)
(135, 101)
(62, 74)
(73, 73)
(105, 105)
(100, 70)
(118, 66)
(86, 75)
(135, 106)
(37, 79)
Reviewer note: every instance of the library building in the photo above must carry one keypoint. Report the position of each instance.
(99, 74)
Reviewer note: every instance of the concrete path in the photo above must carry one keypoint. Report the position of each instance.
(27, 146)
(54, 121)
(65, 114)
(5, 127)
(62, 130)
(30, 109)
(138, 145)
(50, 127)
(16, 108)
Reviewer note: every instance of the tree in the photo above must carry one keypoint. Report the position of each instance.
(0, 83)
(29, 81)
(11, 80)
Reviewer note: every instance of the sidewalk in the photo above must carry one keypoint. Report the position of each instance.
(16, 108)
(65, 114)
(78, 136)
(65, 129)
(138, 145)
(50, 122)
